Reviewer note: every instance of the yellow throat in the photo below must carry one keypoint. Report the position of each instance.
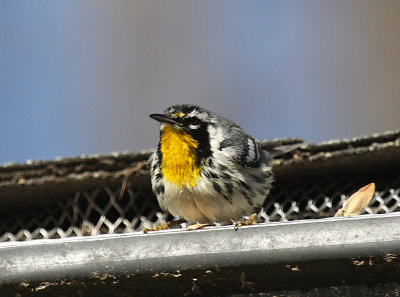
(179, 164)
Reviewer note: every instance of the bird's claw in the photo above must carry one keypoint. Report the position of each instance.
(252, 220)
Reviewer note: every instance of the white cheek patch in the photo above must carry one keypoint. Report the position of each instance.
(216, 137)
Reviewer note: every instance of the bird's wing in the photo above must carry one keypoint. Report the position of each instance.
(242, 148)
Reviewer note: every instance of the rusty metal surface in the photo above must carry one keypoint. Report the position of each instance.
(15, 178)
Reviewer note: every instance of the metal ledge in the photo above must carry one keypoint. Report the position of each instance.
(216, 247)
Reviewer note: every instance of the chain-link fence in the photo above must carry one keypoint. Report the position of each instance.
(101, 211)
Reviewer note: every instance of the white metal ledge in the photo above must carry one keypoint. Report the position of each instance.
(180, 250)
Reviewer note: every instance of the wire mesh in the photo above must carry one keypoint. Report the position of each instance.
(102, 211)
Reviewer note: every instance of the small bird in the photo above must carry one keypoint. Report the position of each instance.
(206, 168)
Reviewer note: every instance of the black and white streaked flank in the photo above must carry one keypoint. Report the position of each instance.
(233, 174)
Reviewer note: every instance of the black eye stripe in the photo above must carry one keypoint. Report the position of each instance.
(192, 121)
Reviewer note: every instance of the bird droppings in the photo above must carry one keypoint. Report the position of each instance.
(294, 268)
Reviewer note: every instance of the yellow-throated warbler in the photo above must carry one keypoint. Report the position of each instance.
(206, 168)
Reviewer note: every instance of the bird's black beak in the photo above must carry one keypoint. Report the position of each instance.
(163, 119)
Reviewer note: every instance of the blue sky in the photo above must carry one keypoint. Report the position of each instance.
(81, 77)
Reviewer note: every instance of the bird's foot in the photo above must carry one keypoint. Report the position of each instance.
(252, 220)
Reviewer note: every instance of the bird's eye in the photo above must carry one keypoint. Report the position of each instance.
(194, 123)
